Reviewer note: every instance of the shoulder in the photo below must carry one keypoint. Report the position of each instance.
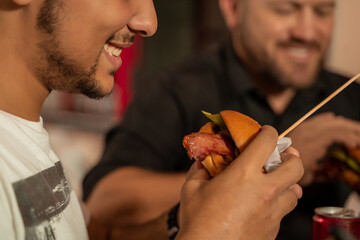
(333, 76)
(347, 102)
(334, 80)
(193, 75)
(187, 75)
(8, 128)
(197, 68)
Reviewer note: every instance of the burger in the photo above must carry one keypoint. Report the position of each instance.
(221, 140)
(342, 163)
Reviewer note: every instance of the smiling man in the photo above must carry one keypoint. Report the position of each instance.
(53, 45)
(282, 43)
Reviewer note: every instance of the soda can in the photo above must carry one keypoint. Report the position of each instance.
(336, 223)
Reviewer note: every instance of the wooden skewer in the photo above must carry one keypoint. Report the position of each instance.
(321, 104)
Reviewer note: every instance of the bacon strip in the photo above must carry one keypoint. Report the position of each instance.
(200, 144)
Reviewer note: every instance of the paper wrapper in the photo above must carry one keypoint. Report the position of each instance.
(274, 160)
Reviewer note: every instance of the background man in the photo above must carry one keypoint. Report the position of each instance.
(271, 70)
(74, 46)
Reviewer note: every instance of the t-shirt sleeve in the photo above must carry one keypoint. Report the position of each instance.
(11, 224)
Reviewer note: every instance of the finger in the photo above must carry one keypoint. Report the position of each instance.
(297, 190)
(287, 201)
(346, 131)
(197, 171)
(258, 151)
(347, 121)
(290, 171)
(341, 126)
(350, 140)
(323, 116)
(293, 151)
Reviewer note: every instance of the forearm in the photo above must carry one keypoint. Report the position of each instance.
(132, 196)
(154, 229)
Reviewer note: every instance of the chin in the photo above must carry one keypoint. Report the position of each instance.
(300, 82)
(96, 89)
(106, 82)
(301, 78)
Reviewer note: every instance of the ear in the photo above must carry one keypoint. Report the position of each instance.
(229, 10)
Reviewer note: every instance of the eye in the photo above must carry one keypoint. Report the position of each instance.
(284, 8)
(324, 11)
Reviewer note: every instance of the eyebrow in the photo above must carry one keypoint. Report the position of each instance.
(325, 3)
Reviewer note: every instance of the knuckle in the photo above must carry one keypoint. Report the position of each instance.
(301, 168)
(270, 132)
(298, 167)
(271, 193)
(293, 203)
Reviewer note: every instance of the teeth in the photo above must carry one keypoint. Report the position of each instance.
(299, 52)
(111, 50)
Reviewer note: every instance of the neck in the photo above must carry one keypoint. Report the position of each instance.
(277, 96)
(280, 101)
(21, 94)
(22, 101)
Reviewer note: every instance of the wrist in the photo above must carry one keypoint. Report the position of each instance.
(96, 230)
(172, 222)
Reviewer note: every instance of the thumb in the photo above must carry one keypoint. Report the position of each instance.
(197, 171)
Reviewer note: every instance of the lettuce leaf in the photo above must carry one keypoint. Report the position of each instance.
(215, 118)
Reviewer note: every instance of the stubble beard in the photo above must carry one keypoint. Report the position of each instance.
(267, 69)
(55, 70)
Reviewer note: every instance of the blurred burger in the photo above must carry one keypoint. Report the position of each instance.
(342, 163)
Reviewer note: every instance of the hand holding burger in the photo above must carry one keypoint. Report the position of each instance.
(314, 136)
(242, 202)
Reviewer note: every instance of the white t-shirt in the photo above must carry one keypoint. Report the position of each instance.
(36, 199)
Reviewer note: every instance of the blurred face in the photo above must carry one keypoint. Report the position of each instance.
(79, 42)
(283, 41)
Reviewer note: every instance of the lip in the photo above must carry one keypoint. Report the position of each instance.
(120, 45)
(114, 60)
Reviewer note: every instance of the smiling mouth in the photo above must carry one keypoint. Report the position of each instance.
(112, 50)
(299, 52)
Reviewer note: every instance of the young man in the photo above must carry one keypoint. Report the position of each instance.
(271, 70)
(75, 46)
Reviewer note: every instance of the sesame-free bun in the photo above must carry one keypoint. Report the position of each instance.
(242, 128)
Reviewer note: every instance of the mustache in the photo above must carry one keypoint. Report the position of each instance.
(300, 42)
(124, 38)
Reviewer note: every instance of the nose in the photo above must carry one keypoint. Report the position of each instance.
(305, 27)
(144, 22)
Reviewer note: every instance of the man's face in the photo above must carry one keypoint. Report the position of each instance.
(79, 42)
(284, 41)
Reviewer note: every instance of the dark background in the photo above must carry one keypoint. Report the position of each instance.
(184, 27)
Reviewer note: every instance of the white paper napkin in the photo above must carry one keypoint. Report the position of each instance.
(274, 159)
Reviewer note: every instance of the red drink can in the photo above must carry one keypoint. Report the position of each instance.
(336, 223)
